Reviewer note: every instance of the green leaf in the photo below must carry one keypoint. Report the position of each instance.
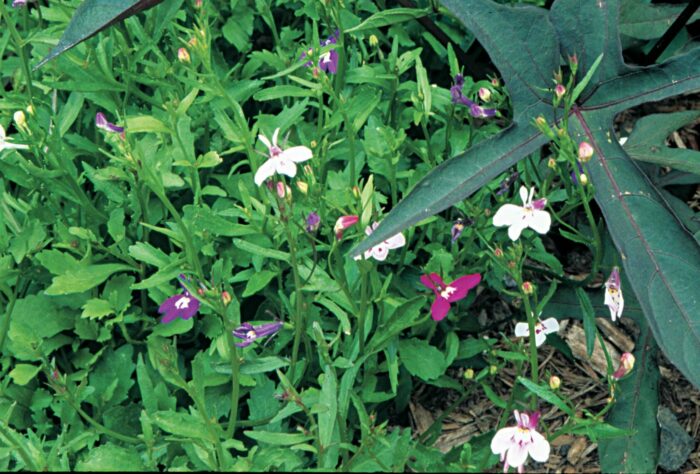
(647, 142)
(22, 374)
(648, 21)
(258, 281)
(83, 278)
(260, 365)
(637, 400)
(279, 439)
(110, 457)
(329, 400)
(96, 308)
(389, 17)
(421, 359)
(589, 326)
(545, 393)
(182, 424)
(262, 251)
(93, 16)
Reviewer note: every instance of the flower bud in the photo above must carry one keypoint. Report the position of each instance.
(343, 223)
(30, 109)
(573, 60)
(183, 55)
(484, 94)
(585, 152)
(20, 119)
(303, 187)
(540, 121)
(469, 374)
(552, 163)
(554, 382)
(495, 82)
(226, 297)
(198, 4)
(626, 366)
(559, 91)
(583, 179)
(373, 41)
(528, 288)
(356, 192)
(493, 369)
(498, 252)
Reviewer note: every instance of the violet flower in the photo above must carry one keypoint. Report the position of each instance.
(574, 177)
(19, 3)
(102, 122)
(250, 333)
(182, 306)
(313, 221)
(328, 61)
(446, 294)
(458, 98)
(507, 183)
(458, 227)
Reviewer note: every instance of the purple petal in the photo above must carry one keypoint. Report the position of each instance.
(268, 329)
(431, 280)
(439, 308)
(102, 122)
(462, 286)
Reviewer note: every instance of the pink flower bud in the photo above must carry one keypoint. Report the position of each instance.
(183, 55)
(484, 94)
(559, 91)
(585, 152)
(343, 223)
(626, 366)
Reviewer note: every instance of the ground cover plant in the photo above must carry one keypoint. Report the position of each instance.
(246, 235)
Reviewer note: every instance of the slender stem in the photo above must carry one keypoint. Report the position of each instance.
(189, 246)
(12, 298)
(363, 308)
(299, 315)
(235, 385)
(28, 462)
(19, 43)
(99, 426)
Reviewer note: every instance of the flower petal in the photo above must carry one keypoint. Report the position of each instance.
(540, 337)
(517, 455)
(439, 308)
(516, 229)
(266, 170)
(275, 135)
(503, 440)
(287, 167)
(395, 241)
(462, 286)
(508, 214)
(265, 141)
(550, 325)
(540, 221)
(521, 330)
(539, 448)
(523, 194)
(379, 252)
(431, 280)
(297, 154)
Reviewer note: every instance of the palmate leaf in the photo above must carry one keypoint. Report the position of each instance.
(93, 16)
(659, 256)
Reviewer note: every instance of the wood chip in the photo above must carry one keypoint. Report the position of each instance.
(576, 338)
(615, 335)
(422, 417)
(576, 450)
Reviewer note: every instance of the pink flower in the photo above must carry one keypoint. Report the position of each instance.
(514, 443)
(447, 294)
(343, 223)
(613, 294)
(380, 251)
(626, 366)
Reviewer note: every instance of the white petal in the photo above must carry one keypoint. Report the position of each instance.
(15, 146)
(515, 230)
(265, 141)
(503, 440)
(265, 171)
(517, 455)
(523, 194)
(2, 134)
(508, 214)
(297, 154)
(380, 252)
(540, 221)
(608, 299)
(532, 195)
(539, 448)
(521, 330)
(540, 337)
(275, 135)
(621, 304)
(286, 167)
(550, 325)
(395, 241)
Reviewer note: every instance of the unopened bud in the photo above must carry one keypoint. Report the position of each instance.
(373, 41)
(498, 252)
(183, 55)
(356, 191)
(583, 179)
(198, 4)
(30, 109)
(193, 42)
(484, 94)
(20, 119)
(528, 288)
(554, 382)
(552, 163)
(559, 91)
(511, 264)
(585, 152)
(303, 187)
(495, 82)
(493, 369)
(626, 366)
(573, 59)
(540, 121)
(469, 374)
(226, 297)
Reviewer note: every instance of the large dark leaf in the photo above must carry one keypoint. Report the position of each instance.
(93, 16)
(659, 256)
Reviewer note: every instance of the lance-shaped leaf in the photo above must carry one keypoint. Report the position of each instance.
(660, 257)
(93, 16)
(647, 141)
(637, 399)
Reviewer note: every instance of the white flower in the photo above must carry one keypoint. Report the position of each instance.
(542, 328)
(518, 218)
(5, 142)
(280, 161)
(380, 251)
(613, 294)
(514, 443)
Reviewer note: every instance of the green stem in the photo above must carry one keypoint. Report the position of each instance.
(28, 462)
(299, 315)
(235, 385)
(19, 44)
(99, 426)
(12, 298)
(189, 246)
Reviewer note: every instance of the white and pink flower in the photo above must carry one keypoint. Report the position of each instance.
(518, 218)
(280, 161)
(542, 328)
(613, 294)
(381, 250)
(515, 443)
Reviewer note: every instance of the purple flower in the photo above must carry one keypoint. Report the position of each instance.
(250, 333)
(573, 173)
(19, 3)
(313, 221)
(458, 98)
(328, 61)
(102, 122)
(507, 183)
(458, 227)
(182, 306)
